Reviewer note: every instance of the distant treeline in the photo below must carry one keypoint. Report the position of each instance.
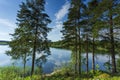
(101, 45)
(57, 44)
(3, 42)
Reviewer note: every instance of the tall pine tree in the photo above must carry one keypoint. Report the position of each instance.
(32, 18)
(108, 14)
(71, 32)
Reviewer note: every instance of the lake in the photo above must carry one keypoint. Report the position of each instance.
(56, 59)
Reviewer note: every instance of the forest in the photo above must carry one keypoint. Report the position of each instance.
(91, 27)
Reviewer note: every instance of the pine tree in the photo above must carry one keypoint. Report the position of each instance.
(33, 20)
(108, 13)
(71, 32)
(38, 22)
(90, 30)
(20, 45)
(86, 33)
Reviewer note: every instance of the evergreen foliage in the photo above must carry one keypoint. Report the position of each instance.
(31, 34)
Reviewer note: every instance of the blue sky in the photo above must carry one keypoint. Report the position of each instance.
(56, 9)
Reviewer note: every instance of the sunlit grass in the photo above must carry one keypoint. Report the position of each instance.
(16, 73)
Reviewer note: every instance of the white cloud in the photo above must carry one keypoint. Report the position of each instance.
(55, 34)
(63, 11)
(5, 36)
(7, 23)
(6, 27)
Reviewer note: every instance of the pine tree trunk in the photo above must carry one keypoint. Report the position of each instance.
(24, 64)
(79, 37)
(34, 52)
(33, 58)
(87, 65)
(76, 58)
(76, 61)
(109, 67)
(112, 46)
(93, 57)
(79, 55)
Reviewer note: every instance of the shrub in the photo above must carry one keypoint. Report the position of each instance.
(9, 73)
(103, 76)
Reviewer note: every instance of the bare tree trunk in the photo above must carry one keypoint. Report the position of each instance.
(87, 65)
(93, 57)
(79, 54)
(34, 52)
(109, 67)
(76, 57)
(112, 47)
(24, 64)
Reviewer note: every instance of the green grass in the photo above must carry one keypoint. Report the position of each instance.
(12, 73)
(16, 73)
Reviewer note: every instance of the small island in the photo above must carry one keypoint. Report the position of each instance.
(3, 42)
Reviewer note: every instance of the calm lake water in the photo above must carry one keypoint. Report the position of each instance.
(56, 59)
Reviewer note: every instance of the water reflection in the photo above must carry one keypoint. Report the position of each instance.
(57, 57)
(4, 59)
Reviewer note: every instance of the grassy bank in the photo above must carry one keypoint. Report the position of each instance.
(16, 73)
